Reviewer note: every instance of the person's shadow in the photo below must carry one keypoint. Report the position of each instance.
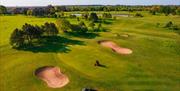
(99, 64)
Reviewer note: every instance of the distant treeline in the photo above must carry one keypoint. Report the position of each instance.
(50, 10)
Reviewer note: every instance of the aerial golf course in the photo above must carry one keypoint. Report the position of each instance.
(152, 65)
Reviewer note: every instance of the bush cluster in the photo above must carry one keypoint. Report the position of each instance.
(138, 15)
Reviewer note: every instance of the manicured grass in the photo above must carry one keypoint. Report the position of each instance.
(153, 66)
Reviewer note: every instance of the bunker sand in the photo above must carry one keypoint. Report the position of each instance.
(52, 76)
(115, 47)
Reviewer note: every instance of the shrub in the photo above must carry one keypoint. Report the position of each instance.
(85, 16)
(106, 15)
(78, 28)
(169, 24)
(138, 15)
(72, 16)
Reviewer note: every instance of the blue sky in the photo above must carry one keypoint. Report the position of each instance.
(86, 2)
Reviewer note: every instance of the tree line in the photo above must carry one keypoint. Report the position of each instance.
(50, 10)
(165, 10)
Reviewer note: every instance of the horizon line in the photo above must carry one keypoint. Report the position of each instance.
(93, 5)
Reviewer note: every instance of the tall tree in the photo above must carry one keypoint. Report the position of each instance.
(178, 11)
(50, 10)
(64, 25)
(17, 38)
(93, 17)
(29, 32)
(50, 29)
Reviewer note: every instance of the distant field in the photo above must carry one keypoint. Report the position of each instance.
(154, 64)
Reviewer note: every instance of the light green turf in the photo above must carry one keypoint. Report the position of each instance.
(153, 66)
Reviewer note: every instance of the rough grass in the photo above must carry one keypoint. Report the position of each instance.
(153, 66)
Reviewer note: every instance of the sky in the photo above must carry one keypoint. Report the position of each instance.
(87, 2)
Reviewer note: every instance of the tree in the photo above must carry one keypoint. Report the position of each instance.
(80, 28)
(38, 12)
(93, 17)
(85, 16)
(78, 19)
(82, 24)
(3, 9)
(17, 38)
(83, 27)
(50, 29)
(29, 12)
(16, 10)
(169, 24)
(50, 10)
(106, 15)
(165, 9)
(154, 10)
(29, 32)
(106, 8)
(61, 8)
(178, 11)
(38, 31)
(63, 24)
(138, 15)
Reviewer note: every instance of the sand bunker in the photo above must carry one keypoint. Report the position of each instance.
(52, 76)
(115, 47)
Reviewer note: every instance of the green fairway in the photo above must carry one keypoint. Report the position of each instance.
(154, 64)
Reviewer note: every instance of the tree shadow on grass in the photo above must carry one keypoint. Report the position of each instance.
(83, 35)
(53, 44)
(101, 30)
(107, 21)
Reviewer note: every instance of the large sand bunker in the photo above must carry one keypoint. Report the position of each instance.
(115, 47)
(52, 76)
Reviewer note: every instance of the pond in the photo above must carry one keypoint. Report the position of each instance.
(77, 14)
(122, 15)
